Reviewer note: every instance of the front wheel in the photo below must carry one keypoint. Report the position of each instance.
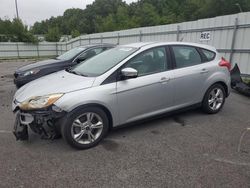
(85, 128)
(214, 99)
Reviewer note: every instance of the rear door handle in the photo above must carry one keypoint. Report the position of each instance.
(204, 71)
(164, 79)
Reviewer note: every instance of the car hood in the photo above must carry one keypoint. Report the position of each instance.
(39, 64)
(59, 82)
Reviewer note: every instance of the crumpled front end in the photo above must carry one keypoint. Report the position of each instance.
(45, 122)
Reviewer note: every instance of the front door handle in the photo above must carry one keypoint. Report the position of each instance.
(204, 71)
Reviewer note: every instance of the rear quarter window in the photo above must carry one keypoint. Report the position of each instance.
(208, 54)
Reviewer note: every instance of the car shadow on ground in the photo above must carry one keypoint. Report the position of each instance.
(156, 121)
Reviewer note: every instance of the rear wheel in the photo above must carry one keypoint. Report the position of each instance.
(85, 128)
(214, 99)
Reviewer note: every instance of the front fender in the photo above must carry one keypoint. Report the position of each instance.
(102, 95)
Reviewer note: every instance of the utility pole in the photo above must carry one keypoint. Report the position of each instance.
(17, 10)
(238, 5)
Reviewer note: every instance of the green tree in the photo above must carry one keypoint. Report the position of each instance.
(53, 35)
(15, 31)
(122, 18)
(110, 15)
(75, 33)
(147, 15)
(106, 24)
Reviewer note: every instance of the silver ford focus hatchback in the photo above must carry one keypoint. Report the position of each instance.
(122, 85)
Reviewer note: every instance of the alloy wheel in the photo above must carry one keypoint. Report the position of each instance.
(87, 128)
(215, 99)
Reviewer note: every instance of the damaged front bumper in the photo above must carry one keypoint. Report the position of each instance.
(44, 122)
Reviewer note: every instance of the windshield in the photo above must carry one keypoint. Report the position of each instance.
(71, 53)
(101, 63)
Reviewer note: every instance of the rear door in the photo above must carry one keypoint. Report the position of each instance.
(190, 75)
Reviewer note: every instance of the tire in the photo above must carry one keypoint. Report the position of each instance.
(85, 128)
(213, 102)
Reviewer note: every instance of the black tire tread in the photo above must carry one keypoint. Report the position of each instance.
(66, 127)
(205, 106)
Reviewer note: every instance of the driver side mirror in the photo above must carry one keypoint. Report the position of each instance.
(128, 73)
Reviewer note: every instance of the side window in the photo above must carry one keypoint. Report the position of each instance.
(208, 54)
(186, 56)
(149, 62)
(91, 53)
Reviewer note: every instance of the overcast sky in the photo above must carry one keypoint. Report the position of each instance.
(31, 11)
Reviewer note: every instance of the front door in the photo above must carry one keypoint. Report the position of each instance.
(151, 92)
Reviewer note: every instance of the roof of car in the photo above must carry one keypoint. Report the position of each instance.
(96, 45)
(138, 44)
(153, 44)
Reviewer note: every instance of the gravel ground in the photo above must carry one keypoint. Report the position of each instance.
(189, 149)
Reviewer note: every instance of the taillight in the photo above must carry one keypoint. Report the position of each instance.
(225, 63)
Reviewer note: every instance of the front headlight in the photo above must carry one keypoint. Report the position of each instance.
(35, 71)
(40, 102)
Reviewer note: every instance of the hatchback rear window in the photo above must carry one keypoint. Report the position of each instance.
(208, 54)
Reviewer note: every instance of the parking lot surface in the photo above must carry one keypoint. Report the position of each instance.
(189, 149)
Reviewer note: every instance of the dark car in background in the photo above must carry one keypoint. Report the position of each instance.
(70, 58)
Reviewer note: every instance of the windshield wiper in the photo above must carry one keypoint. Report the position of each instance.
(74, 72)
(81, 74)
